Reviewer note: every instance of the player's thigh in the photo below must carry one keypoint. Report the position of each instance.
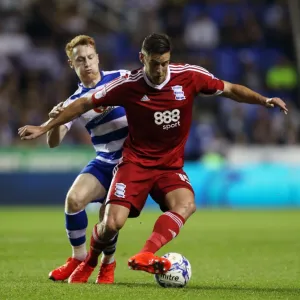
(130, 187)
(173, 191)
(85, 189)
(91, 184)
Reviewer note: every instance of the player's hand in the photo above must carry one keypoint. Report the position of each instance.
(30, 132)
(272, 102)
(56, 110)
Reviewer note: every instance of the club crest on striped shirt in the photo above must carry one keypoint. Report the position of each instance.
(178, 92)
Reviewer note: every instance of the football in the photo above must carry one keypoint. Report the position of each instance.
(179, 274)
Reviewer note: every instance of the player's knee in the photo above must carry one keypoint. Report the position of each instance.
(112, 225)
(185, 209)
(74, 203)
(191, 207)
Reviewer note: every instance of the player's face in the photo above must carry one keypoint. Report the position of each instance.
(156, 66)
(85, 62)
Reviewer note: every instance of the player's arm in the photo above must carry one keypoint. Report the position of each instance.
(71, 112)
(243, 94)
(56, 134)
(109, 95)
(208, 85)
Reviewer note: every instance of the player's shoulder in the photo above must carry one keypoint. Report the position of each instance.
(76, 94)
(125, 80)
(132, 76)
(135, 74)
(82, 91)
(72, 97)
(188, 68)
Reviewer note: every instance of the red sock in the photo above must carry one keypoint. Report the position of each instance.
(96, 247)
(165, 229)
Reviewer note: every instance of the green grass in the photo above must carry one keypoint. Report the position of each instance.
(234, 255)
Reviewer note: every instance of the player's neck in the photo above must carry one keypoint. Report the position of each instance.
(91, 82)
(150, 82)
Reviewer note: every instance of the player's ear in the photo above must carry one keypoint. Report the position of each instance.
(70, 63)
(142, 58)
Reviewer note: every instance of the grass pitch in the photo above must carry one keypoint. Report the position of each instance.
(234, 255)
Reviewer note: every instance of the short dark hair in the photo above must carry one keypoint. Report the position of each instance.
(157, 43)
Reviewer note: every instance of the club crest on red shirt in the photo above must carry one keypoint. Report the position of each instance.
(178, 92)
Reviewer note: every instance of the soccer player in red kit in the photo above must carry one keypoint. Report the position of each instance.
(158, 100)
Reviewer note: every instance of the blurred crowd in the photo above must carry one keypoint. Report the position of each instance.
(246, 42)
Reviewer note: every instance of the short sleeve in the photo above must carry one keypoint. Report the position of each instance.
(206, 84)
(110, 94)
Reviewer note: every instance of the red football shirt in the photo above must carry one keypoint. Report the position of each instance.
(159, 116)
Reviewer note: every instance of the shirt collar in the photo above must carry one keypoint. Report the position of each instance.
(80, 85)
(155, 86)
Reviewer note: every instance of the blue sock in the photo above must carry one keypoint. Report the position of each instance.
(76, 225)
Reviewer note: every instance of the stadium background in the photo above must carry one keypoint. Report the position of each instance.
(237, 156)
(236, 153)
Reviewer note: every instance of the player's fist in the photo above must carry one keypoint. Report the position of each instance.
(30, 132)
(56, 110)
(272, 102)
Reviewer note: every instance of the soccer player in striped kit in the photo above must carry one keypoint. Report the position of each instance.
(108, 129)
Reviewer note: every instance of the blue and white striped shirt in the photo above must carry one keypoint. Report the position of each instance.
(108, 129)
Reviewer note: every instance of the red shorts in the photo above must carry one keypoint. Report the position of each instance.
(132, 184)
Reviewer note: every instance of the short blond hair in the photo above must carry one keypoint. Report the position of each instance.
(79, 40)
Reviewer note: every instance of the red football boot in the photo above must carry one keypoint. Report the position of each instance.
(106, 273)
(63, 272)
(81, 273)
(150, 263)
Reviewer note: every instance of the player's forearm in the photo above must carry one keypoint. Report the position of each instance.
(70, 113)
(243, 94)
(56, 135)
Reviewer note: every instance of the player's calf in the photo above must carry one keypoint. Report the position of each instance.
(76, 224)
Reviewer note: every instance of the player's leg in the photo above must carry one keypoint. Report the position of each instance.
(126, 198)
(108, 253)
(103, 235)
(85, 188)
(105, 232)
(108, 263)
(180, 206)
(176, 198)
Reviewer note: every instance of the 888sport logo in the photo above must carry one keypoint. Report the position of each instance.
(168, 118)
